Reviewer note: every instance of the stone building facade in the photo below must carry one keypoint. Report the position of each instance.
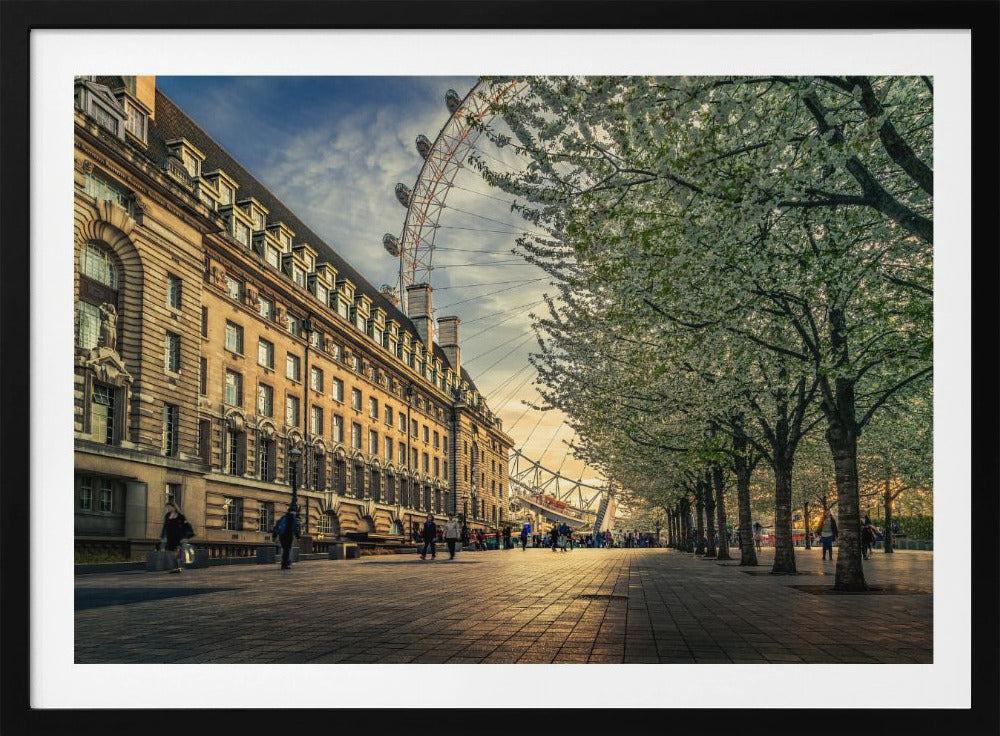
(217, 336)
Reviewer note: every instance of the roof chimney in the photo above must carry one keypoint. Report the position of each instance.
(448, 340)
(418, 299)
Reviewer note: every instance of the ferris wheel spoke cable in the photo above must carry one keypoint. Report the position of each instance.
(497, 347)
(516, 313)
(485, 230)
(526, 305)
(512, 264)
(513, 392)
(523, 414)
(522, 284)
(489, 283)
(504, 357)
(490, 219)
(506, 382)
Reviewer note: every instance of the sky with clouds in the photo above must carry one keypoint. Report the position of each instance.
(332, 149)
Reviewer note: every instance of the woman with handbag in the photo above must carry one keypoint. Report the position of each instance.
(173, 533)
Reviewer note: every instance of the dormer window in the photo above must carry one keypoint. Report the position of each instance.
(226, 193)
(342, 309)
(273, 256)
(378, 335)
(286, 240)
(242, 233)
(299, 276)
(360, 322)
(258, 220)
(192, 164)
(322, 293)
(135, 119)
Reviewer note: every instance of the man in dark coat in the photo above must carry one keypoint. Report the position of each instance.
(286, 531)
(429, 534)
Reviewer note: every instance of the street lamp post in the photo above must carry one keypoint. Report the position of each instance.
(294, 454)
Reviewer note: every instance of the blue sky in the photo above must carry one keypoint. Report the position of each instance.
(332, 149)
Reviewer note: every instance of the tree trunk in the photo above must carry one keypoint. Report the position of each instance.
(784, 551)
(688, 540)
(748, 553)
(700, 510)
(805, 511)
(887, 541)
(709, 497)
(718, 480)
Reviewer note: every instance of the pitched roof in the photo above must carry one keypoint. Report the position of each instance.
(171, 123)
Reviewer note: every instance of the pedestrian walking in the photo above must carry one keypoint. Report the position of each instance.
(867, 540)
(554, 537)
(525, 533)
(174, 532)
(758, 534)
(429, 534)
(286, 531)
(827, 533)
(451, 535)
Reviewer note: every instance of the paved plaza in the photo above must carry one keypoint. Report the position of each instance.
(586, 605)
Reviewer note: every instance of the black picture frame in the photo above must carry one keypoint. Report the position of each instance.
(18, 19)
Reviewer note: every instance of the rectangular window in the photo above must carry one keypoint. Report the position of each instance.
(413, 458)
(172, 351)
(173, 291)
(265, 353)
(232, 514)
(88, 321)
(172, 494)
(413, 428)
(388, 416)
(234, 338)
(258, 220)
(293, 325)
(342, 309)
(402, 422)
(235, 442)
(265, 400)
(402, 454)
(106, 497)
(355, 435)
(444, 467)
(265, 517)
(338, 428)
(444, 442)
(338, 390)
(388, 448)
(171, 415)
(292, 367)
(373, 442)
(265, 307)
(427, 463)
(337, 352)
(204, 321)
(292, 411)
(299, 276)
(103, 414)
(356, 399)
(427, 434)
(437, 440)
(203, 377)
(373, 407)
(266, 461)
(316, 379)
(322, 294)
(242, 233)
(234, 388)
(316, 420)
(316, 339)
(437, 468)
(234, 288)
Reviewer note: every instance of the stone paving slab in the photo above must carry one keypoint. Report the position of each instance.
(534, 606)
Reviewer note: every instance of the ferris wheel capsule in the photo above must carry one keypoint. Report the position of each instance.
(452, 101)
(423, 146)
(403, 194)
(391, 244)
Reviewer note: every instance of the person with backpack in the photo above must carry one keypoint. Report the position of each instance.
(286, 531)
(429, 534)
(175, 530)
(451, 535)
